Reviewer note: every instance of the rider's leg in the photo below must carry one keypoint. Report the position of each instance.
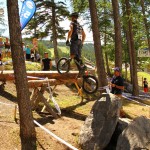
(78, 62)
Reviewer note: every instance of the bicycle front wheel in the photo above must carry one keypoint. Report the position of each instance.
(90, 84)
(63, 65)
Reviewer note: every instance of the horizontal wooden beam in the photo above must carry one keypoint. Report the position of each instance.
(37, 75)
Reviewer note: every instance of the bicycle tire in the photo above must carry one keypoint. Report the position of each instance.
(90, 84)
(63, 65)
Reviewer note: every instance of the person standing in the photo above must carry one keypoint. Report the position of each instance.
(117, 83)
(24, 50)
(46, 62)
(28, 53)
(117, 86)
(1, 47)
(7, 48)
(145, 83)
(76, 35)
(1, 64)
(32, 55)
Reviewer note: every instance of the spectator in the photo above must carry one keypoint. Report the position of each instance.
(117, 86)
(1, 46)
(38, 57)
(7, 48)
(28, 53)
(24, 49)
(46, 62)
(32, 55)
(1, 63)
(145, 83)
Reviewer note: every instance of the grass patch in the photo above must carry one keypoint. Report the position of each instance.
(134, 110)
(30, 66)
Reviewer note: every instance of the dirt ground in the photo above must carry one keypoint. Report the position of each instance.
(67, 127)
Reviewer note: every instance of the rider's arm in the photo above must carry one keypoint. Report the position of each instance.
(70, 32)
(83, 36)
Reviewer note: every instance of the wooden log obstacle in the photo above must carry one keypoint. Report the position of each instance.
(39, 84)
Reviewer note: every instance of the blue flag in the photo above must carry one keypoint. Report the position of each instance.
(27, 12)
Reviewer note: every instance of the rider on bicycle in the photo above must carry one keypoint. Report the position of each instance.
(76, 35)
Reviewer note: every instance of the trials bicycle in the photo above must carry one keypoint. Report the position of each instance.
(89, 82)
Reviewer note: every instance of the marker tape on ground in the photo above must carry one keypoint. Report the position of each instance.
(147, 96)
(136, 97)
(135, 101)
(55, 136)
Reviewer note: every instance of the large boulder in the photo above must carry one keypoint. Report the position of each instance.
(136, 135)
(121, 125)
(101, 123)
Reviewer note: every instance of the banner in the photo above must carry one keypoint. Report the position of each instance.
(27, 12)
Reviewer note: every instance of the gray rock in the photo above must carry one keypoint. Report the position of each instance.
(136, 136)
(100, 124)
(128, 87)
(121, 125)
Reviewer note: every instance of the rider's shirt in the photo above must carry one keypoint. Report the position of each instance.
(77, 31)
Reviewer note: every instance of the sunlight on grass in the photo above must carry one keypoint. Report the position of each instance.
(30, 66)
(134, 110)
(33, 66)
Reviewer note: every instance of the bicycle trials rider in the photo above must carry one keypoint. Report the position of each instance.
(76, 35)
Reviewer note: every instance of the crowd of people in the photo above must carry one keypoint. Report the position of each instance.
(30, 54)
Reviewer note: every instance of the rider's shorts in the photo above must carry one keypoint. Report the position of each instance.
(75, 48)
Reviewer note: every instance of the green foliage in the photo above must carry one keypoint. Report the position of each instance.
(41, 24)
(33, 66)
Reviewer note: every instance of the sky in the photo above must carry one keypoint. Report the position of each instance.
(65, 24)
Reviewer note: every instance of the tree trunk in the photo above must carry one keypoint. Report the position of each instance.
(128, 52)
(105, 42)
(130, 56)
(133, 52)
(106, 56)
(118, 41)
(54, 33)
(27, 129)
(107, 64)
(146, 24)
(97, 45)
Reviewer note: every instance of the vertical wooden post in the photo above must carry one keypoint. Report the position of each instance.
(15, 113)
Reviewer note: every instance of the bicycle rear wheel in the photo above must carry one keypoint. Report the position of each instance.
(90, 84)
(63, 65)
